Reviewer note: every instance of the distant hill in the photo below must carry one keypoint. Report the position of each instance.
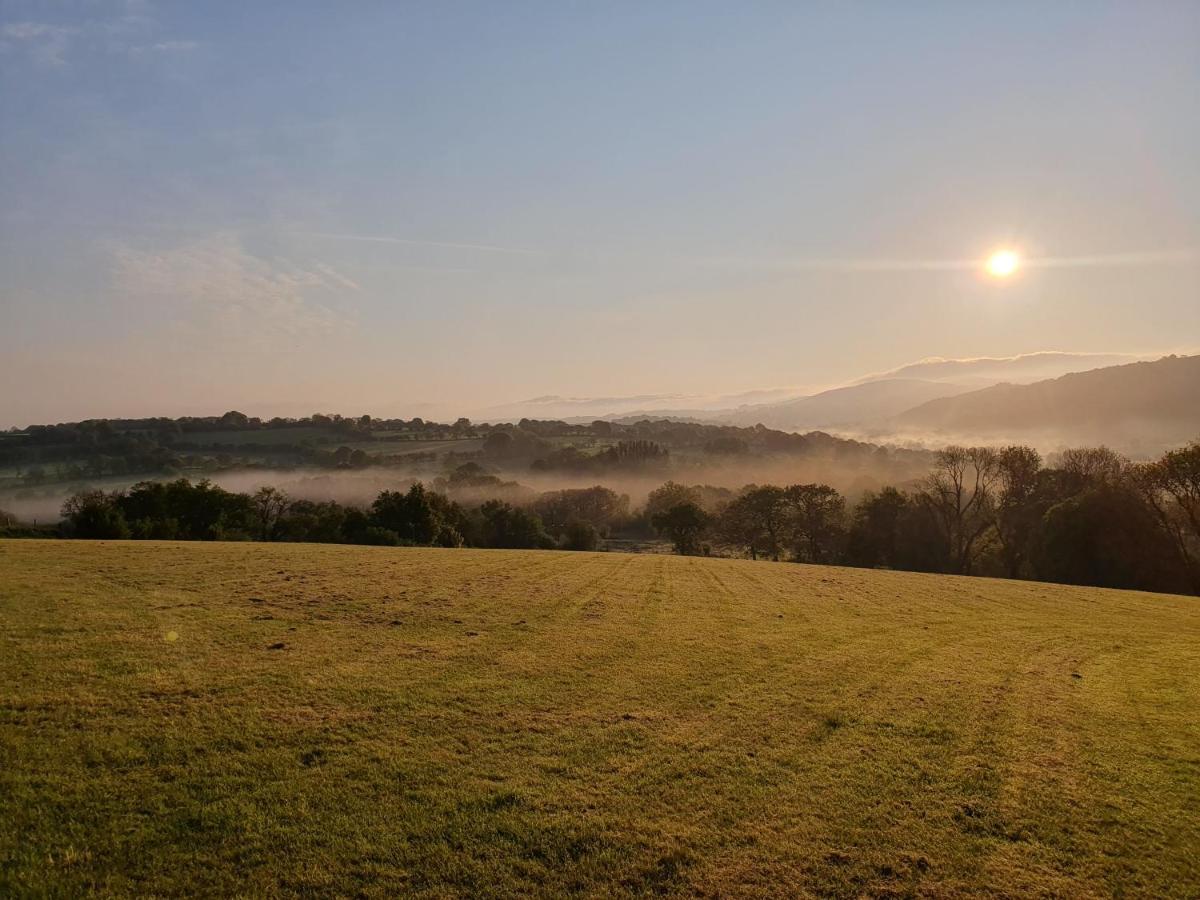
(846, 406)
(872, 401)
(589, 409)
(864, 406)
(1138, 406)
(1024, 368)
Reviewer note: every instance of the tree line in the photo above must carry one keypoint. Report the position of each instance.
(416, 516)
(164, 447)
(1092, 518)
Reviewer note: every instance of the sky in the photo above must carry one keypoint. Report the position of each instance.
(433, 208)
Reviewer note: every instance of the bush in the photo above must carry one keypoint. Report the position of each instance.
(449, 536)
(379, 537)
(94, 514)
(507, 527)
(580, 536)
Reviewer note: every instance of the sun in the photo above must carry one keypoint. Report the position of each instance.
(1003, 263)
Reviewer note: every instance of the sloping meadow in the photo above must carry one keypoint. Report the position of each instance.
(271, 719)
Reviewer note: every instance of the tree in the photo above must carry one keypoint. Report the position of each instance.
(508, 527)
(314, 522)
(234, 419)
(684, 525)
(816, 520)
(1018, 509)
(631, 454)
(1171, 488)
(1084, 467)
(875, 531)
(598, 506)
(1107, 536)
(580, 536)
(668, 495)
(375, 536)
(95, 514)
(419, 516)
(959, 495)
(180, 509)
(498, 444)
(269, 504)
(755, 521)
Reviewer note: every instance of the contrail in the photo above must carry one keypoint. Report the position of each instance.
(852, 264)
(409, 242)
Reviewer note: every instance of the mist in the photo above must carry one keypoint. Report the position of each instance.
(43, 504)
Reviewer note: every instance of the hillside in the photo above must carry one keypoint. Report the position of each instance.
(858, 404)
(188, 719)
(1023, 368)
(1150, 404)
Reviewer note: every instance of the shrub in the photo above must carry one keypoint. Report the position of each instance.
(379, 537)
(580, 536)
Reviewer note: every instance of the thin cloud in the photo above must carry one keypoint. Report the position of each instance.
(131, 33)
(224, 293)
(860, 264)
(47, 44)
(411, 242)
(1152, 258)
(337, 277)
(174, 46)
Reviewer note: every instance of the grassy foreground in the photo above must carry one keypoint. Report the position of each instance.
(250, 719)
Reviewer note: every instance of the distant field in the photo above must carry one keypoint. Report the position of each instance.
(401, 445)
(255, 719)
(315, 434)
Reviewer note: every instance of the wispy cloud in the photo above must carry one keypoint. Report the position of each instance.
(334, 275)
(46, 43)
(412, 242)
(174, 46)
(869, 264)
(1150, 258)
(220, 290)
(127, 29)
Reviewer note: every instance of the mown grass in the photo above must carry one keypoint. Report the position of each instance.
(340, 721)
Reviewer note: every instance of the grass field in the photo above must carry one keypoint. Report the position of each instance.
(315, 434)
(386, 447)
(241, 719)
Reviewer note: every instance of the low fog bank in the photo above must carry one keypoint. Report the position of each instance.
(1140, 441)
(518, 485)
(356, 488)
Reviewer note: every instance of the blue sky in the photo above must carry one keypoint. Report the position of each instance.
(416, 209)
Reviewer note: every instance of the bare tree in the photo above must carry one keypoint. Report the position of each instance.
(269, 504)
(1082, 467)
(959, 494)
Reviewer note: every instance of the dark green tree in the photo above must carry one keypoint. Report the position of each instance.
(508, 527)
(684, 525)
(95, 514)
(816, 522)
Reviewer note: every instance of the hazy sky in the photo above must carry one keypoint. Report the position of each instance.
(417, 209)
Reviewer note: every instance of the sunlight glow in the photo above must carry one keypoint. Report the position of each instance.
(1003, 263)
